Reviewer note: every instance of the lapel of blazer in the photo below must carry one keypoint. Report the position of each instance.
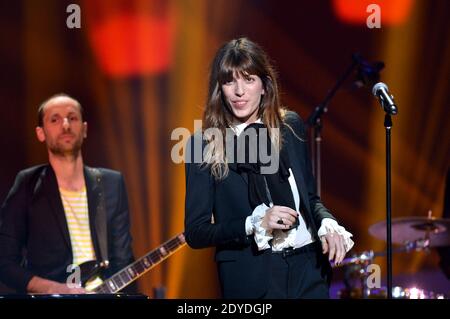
(301, 186)
(297, 170)
(93, 192)
(51, 191)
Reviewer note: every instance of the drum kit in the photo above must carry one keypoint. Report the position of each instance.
(409, 234)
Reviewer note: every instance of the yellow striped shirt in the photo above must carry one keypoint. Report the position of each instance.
(77, 216)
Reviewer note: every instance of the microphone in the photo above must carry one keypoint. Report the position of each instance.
(381, 91)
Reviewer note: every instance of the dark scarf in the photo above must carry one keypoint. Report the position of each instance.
(263, 188)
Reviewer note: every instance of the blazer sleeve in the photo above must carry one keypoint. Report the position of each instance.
(13, 236)
(318, 209)
(200, 231)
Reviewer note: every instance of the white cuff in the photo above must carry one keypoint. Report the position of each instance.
(249, 226)
(331, 226)
(253, 225)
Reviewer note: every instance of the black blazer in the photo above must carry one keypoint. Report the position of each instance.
(34, 236)
(243, 270)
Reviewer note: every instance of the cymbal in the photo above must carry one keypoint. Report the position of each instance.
(409, 229)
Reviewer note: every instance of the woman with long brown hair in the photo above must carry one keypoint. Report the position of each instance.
(249, 187)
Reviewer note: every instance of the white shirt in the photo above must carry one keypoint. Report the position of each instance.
(295, 237)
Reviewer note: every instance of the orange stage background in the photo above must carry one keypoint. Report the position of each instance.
(140, 70)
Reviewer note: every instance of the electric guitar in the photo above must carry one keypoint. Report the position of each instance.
(127, 275)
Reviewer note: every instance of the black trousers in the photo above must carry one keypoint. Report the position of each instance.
(302, 273)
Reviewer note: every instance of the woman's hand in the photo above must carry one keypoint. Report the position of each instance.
(333, 244)
(279, 217)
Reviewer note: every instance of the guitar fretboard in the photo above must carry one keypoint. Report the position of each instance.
(135, 270)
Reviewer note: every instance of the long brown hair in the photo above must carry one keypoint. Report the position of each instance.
(245, 58)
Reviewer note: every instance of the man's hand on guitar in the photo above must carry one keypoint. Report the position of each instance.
(44, 286)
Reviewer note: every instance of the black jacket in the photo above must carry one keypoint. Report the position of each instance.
(243, 269)
(34, 236)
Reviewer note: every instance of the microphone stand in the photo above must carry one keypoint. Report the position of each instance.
(367, 74)
(388, 126)
(315, 121)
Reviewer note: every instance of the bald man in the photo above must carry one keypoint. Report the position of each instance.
(63, 213)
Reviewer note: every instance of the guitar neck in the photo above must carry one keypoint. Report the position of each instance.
(135, 270)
